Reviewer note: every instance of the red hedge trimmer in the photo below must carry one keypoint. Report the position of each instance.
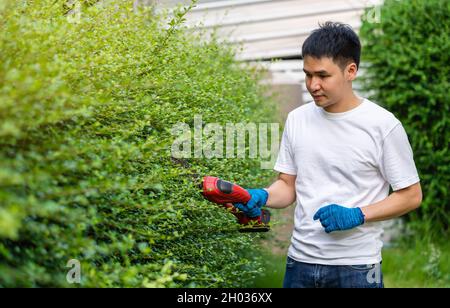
(225, 194)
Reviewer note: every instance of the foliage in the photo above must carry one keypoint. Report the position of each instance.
(86, 111)
(408, 69)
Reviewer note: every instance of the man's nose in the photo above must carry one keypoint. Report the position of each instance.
(315, 84)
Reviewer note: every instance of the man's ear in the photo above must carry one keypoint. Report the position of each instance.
(351, 71)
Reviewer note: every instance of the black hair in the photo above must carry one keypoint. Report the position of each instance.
(336, 41)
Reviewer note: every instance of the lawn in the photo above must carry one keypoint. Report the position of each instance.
(423, 265)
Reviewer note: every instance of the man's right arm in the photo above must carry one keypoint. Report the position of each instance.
(282, 192)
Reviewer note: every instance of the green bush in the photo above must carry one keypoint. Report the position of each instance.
(86, 173)
(407, 54)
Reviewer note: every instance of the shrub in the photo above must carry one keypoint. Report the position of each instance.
(408, 69)
(86, 173)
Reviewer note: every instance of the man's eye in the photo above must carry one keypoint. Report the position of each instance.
(324, 76)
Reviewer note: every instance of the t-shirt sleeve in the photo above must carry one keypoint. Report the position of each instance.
(285, 161)
(397, 163)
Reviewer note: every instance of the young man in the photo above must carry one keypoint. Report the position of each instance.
(337, 158)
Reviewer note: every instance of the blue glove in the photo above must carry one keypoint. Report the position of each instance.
(254, 205)
(334, 217)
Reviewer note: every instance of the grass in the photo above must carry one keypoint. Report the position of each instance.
(423, 265)
(418, 265)
(273, 275)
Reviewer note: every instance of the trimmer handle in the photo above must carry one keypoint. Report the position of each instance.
(226, 193)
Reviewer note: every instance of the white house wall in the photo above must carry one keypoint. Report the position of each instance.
(269, 29)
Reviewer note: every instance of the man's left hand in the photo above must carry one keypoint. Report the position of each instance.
(334, 217)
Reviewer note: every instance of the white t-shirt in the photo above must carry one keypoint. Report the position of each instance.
(347, 158)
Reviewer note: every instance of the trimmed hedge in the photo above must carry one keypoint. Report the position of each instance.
(86, 173)
(408, 68)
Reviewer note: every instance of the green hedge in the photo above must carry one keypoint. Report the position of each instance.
(407, 54)
(86, 110)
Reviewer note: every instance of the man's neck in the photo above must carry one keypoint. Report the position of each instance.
(344, 104)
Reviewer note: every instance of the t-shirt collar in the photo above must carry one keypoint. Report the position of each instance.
(341, 115)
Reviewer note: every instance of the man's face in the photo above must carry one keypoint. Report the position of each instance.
(325, 80)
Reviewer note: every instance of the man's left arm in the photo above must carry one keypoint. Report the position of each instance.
(398, 203)
(398, 168)
(335, 217)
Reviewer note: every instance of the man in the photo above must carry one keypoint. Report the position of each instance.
(337, 158)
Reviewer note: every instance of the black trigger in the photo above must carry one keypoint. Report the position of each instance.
(225, 187)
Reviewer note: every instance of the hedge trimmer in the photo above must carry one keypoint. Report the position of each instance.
(225, 193)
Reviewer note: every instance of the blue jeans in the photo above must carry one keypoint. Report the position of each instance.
(304, 275)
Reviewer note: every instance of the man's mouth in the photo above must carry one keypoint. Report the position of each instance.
(318, 96)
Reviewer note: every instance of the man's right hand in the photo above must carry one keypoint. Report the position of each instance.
(253, 207)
